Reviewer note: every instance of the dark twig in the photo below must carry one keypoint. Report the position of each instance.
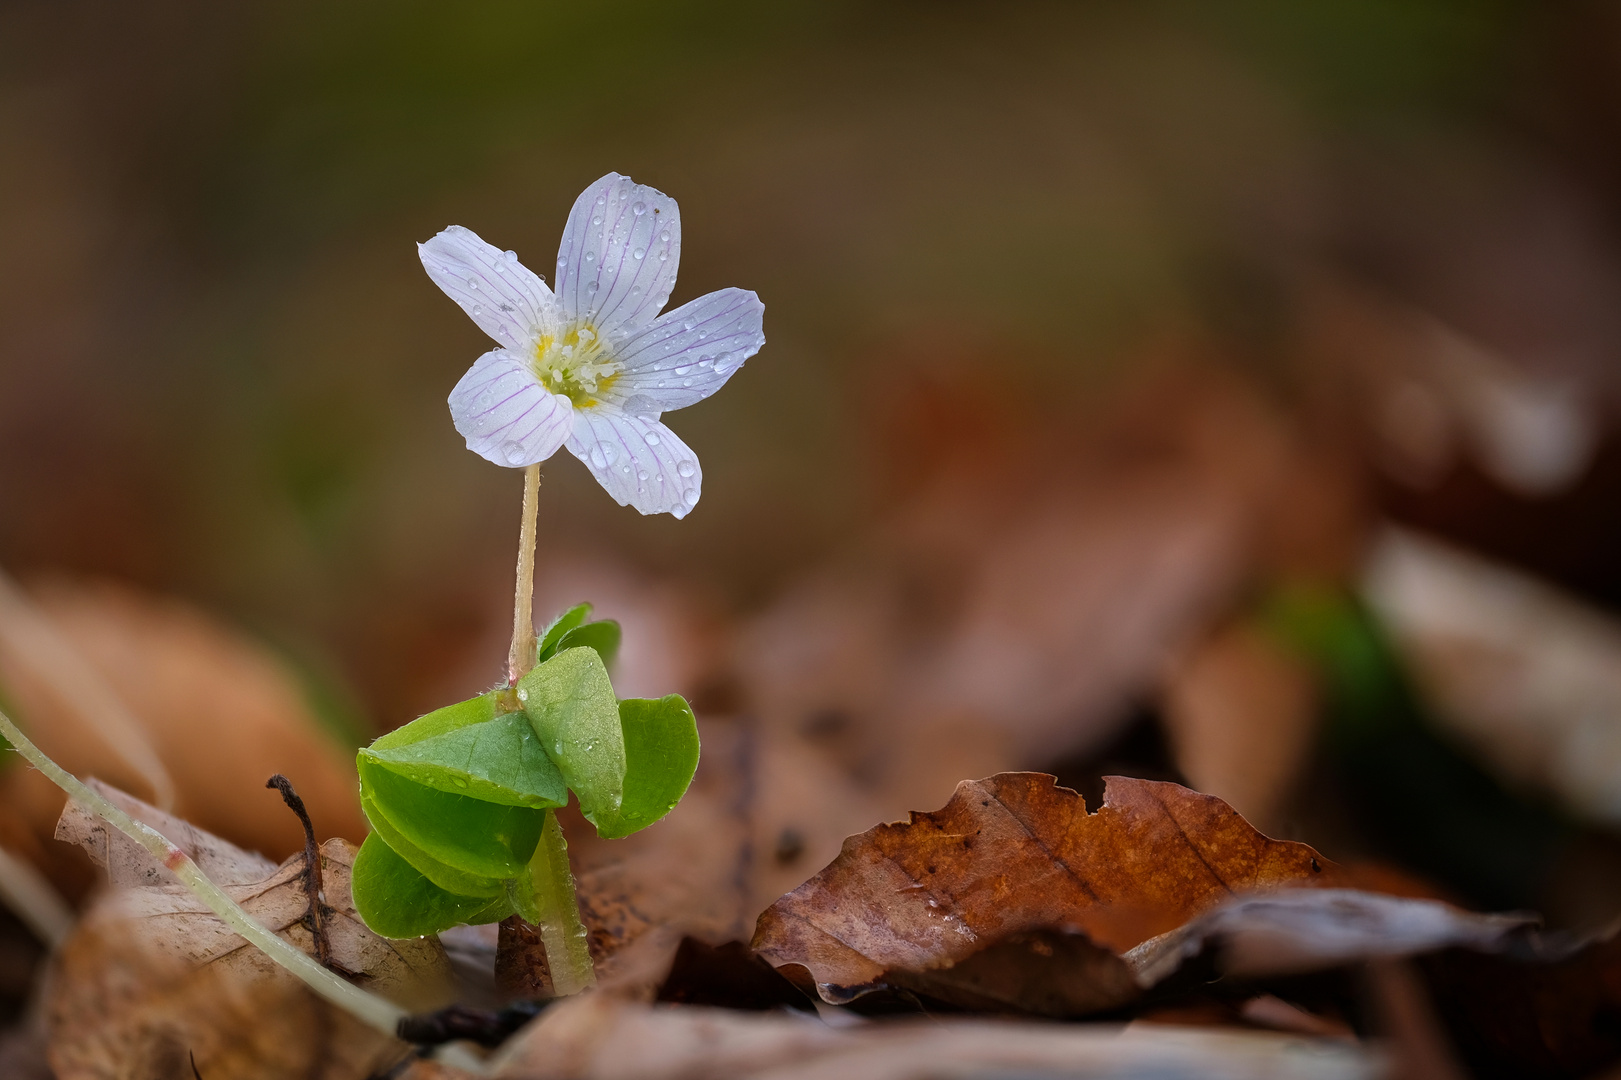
(194, 1072)
(481, 1026)
(312, 868)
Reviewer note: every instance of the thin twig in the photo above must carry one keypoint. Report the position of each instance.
(375, 1012)
(522, 656)
(312, 868)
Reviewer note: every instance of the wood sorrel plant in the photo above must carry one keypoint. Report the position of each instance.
(460, 801)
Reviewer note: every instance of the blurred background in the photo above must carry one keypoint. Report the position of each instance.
(1212, 392)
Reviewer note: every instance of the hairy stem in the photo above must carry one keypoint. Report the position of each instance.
(375, 1011)
(522, 656)
(562, 930)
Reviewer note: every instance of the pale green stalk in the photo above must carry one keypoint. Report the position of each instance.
(377, 1012)
(562, 930)
(522, 656)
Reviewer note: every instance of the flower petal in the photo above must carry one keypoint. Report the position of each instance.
(689, 353)
(506, 415)
(620, 250)
(639, 461)
(507, 300)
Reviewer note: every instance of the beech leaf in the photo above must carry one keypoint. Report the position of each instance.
(151, 978)
(1016, 852)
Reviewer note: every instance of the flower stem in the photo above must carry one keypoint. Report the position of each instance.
(562, 930)
(374, 1011)
(522, 656)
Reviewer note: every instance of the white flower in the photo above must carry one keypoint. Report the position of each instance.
(595, 364)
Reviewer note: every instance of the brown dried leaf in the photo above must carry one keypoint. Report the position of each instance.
(600, 1038)
(1294, 931)
(152, 975)
(1011, 611)
(221, 711)
(763, 807)
(128, 864)
(1017, 852)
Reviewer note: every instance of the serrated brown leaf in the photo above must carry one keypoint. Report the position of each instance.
(1016, 852)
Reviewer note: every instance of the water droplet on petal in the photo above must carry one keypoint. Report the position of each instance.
(688, 325)
(652, 438)
(662, 256)
(597, 220)
(609, 454)
(691, 497)
(641, 474)
(598, 458)
(512, 256)
(601, 199)
(665, 235)
(472, 283)
(590, 256)
(639, 209)
(683, 369)
(685, 468)
(591, 287)
(640, 252)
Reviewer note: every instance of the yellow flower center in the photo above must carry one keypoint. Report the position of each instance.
(575, 365)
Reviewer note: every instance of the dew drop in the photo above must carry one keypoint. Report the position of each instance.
(641, 474)
(662, 256)
(472, 283)
(665, 235)
(639, 209)
(601, 199)
(686, 382)
(597, 220)
(688, 325)
(640, 253)
(636, 290)
(598, 459)
(608, 453)
(691, 497)
(590, 256)
(512, 256)
(685, 468)
(591, 287)
(683, 369)
(478, 309)
(652, 438)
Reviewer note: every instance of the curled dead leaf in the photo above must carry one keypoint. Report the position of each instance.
(1017, 852)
